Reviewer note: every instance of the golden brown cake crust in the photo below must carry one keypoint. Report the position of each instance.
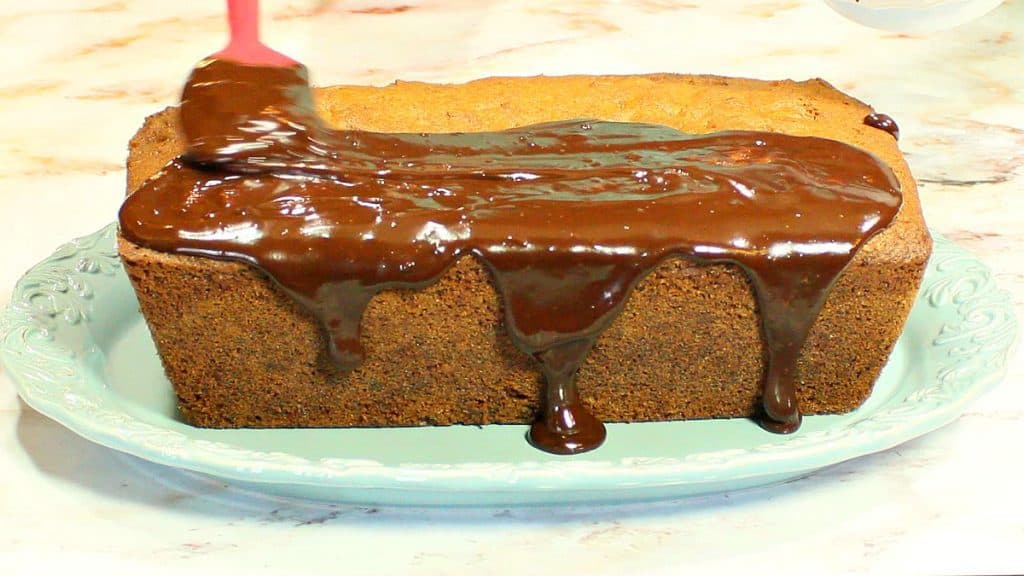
(239, 352)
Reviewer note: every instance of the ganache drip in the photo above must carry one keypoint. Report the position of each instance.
(883, 122)
(567, 216)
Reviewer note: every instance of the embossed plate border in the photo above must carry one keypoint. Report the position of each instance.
(66, 311)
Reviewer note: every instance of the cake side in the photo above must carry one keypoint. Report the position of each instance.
(241, 353)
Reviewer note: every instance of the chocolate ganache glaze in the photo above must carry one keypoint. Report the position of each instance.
(883, 122)
(567, 216)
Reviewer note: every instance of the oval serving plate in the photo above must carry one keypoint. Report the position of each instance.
(79, 352)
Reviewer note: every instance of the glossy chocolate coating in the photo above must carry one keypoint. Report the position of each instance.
(883, 122)
(568, 217)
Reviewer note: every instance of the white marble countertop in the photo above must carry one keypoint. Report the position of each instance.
(78, 76)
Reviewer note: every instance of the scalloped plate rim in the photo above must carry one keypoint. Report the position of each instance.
(460, 477)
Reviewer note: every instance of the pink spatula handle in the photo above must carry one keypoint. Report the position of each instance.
(245, 45)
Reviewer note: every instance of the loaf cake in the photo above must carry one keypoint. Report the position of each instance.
(241, 352)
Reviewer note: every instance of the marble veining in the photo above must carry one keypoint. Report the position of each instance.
(80, 76)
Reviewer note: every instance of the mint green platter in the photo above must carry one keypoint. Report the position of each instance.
(78, 351)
